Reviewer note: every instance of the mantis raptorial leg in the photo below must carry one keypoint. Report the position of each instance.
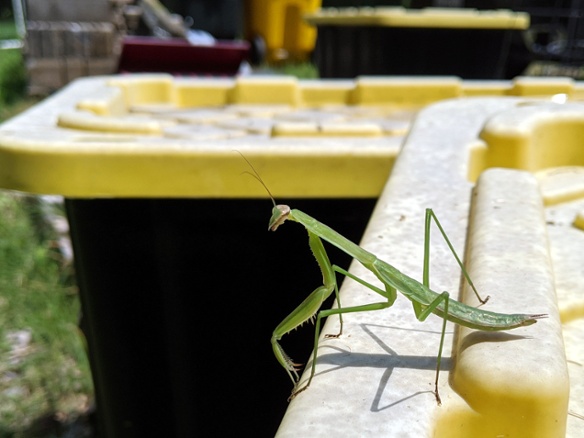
(424, 300)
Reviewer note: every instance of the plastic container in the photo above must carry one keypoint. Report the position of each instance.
(523, 240)
(178, 56)
(182, 285)
(556, 32)
(277, 28)
(396, 41)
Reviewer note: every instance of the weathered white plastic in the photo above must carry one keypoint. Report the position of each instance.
(562, 193)
(377, 379)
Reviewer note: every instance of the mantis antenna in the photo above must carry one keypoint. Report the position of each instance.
(280, 212)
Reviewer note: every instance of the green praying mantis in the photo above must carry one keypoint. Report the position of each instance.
(424, 300)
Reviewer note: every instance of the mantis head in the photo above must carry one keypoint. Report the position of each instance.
(279, 215)
(280, 212)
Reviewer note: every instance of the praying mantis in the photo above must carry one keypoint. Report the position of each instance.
(424, 300)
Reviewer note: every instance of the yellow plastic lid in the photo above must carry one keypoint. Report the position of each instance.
(421, 18)
(157, 136)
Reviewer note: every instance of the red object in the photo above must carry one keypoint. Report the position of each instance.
(179, 57)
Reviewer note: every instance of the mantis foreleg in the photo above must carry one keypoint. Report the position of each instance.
(309, 309)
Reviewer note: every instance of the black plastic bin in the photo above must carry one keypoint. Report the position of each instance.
(171, 354)
(394, 41)
(181, 283)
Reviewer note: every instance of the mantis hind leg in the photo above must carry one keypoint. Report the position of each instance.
(421, 315)
(430, 215)
(444, 296)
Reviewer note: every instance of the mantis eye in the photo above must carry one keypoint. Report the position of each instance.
(279, 215)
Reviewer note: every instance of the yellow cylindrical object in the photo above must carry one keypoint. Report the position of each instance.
(281, 25)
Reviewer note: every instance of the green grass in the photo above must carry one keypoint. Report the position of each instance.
(44, 379)
(302, 70)
(8, 30)
(12, 77)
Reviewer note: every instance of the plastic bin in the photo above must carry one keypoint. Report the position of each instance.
(178, 309)
(396, 41)
(178, 56)
(179, 284)
(522, 235)
(556, 32)
(277, 28)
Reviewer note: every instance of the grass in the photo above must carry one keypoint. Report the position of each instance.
(45, 382)
(12, 77)
(302, 70)
(8, 29)
(13, 84)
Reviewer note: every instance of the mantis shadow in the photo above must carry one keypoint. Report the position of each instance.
(389, 361)
(479, 337)
(419, 362)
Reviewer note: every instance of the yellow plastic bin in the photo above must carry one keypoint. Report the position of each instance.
(277, 28)
(178, 280)
(468, 43)
(181, 284)
(523, 240)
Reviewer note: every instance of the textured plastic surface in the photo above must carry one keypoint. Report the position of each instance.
(377, 379)
(155, 136)
(531, 137)
(562, 194)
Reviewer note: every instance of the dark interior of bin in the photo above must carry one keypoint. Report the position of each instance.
(349, 51)
(180, 298)
(556, 34)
